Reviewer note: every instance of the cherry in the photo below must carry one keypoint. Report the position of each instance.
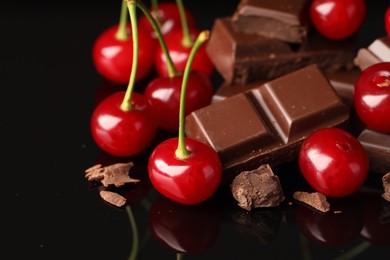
(333, 162)
(184, 229)
(387, 21)
(183, 169)
(168, 17)
(337, 19)
(372, 97)
(112, 52)
(123, 123)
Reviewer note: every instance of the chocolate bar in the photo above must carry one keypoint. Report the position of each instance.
(267, 124)
(276, 19)
(377, 51)
(377, 146)
(226, 90)
(242, 58)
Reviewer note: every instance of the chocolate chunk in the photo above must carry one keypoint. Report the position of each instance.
(315, 200)
(242, 58)
(386, 186)
(377, 51)
(112, 198)
(267, 124)
(257, 188)
(344, 84)
(116, 174)
(377, 146)
(277, 19)
(226, 90)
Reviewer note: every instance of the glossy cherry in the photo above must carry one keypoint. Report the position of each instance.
(182, 228)
(112, 52)
(337, 19)
(164, 95)
(387, 21)
(333, 162)
(372, 97)
(168, 17)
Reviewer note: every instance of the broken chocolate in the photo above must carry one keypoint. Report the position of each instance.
(112, 198)
(276, 19)
(377, 51)
(242, 58)
(315, 200)
(386, 186)
(257, 188)
(267, 124)
(115, 174)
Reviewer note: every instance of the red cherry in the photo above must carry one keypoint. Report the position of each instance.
(168, 17)
(333, 162)
(164, 95)
(372, 97)
(179, 54)
(123, 133)
(188, 181)
(113, 57)
(337, 19)
(387, 21)
(185, 229)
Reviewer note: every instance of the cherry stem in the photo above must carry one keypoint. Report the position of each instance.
(187, 40)
(182, 151)
(172, 71)
(121, 33)
(134, 229)
(126, 104)
(154, 5)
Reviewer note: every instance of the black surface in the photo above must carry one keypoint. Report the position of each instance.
(49, 88)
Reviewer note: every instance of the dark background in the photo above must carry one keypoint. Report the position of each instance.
(49, 88)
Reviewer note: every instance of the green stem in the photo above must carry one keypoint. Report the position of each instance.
(172, 71)
(182, 151)
(179, 256)
(121, 33)
(187, 40)
(154, 5)
(134, 246)
(126, 104)
(354, 251)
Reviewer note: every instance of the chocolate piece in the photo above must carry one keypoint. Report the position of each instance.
(116, 174)
(267, 125)
(377, 146)
(377, 51)
(112, 198)
(257, 188)
(242, 58)
(277, 19)
(315, 200)
(386, 186)
(226, 90)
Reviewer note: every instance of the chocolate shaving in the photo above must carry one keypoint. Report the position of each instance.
(257, 188)
(315, 200)
(113, 198)
(386, 186)
(115, 174)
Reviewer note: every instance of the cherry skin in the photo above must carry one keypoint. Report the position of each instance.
(333, 162)
(180, 53)
(187, 181)
(164, 95)
(168, 17)
(387, 21)
(113, 57)
(337, 19)
(372, 97)
(123, 133)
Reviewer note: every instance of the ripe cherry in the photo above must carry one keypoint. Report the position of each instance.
(112, 52)
(183, 169)
(333, 162)
(123, 123)
(168, 17)
(372, 97)
(337, 19)
(387, 21)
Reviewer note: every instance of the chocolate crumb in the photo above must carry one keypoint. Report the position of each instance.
(113, 198)
(257, 188)
(315, 199)
(337, 211)
(116, 174)
(386, 186)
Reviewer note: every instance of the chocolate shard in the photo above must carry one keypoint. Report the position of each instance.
(315, 200)
(377, 146)
(386, 186)
(267, 125)
(242, 58)
(257, 188)
(113, 198)
(276, 19)
(377, 51)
